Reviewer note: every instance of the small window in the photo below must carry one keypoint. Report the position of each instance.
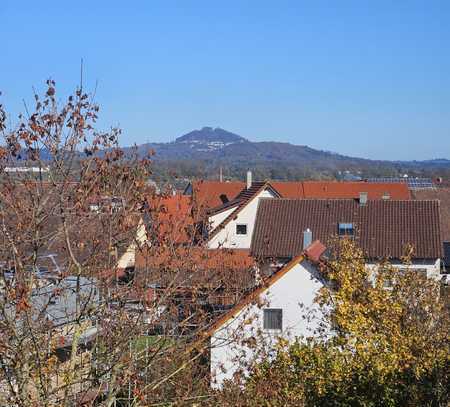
(386, 196)
(346, 229)
(241, 229)
(273, 318)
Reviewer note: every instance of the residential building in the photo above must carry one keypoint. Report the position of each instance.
(231, 225)
(212, 194)
(383, 229)
(282, 307)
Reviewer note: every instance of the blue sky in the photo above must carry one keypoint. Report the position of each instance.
(363, 78)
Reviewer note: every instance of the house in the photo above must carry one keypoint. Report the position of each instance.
(231, 224)
(269, 312)
(384, 229)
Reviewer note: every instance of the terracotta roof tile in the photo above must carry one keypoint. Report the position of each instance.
(172, 218)
(208, 193)
(382, 228)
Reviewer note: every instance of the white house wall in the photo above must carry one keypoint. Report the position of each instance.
(217, 219)
(298, 286)
(433, 267)
(128, 258)
(227, 237)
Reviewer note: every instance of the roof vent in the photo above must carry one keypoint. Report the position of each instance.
(249, 179)
(363, 198)
(307, 238)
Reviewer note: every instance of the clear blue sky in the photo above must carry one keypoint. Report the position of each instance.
(363, 78)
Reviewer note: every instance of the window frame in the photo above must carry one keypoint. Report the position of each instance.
(268, 319)
(349, 226)
(241, 234)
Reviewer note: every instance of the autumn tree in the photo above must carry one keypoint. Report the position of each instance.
(389, 345)
(74, 328)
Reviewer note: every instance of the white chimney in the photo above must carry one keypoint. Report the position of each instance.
(363, 198)
(249, 179)
(307, 238)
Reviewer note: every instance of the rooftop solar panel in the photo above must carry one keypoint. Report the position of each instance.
(413, 183)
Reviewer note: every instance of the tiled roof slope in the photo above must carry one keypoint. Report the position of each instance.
(341, 190)
(383, 228)
(207, 193)
(348, 190)
(171, 218)
(443, 194)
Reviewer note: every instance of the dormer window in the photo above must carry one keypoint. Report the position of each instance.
(346, 229)
(224, 198)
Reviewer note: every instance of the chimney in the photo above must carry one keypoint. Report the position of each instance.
(363, 198)
(249, 179)
(220, 174)
(307, 238)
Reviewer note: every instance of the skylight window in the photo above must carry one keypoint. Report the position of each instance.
(346, 229)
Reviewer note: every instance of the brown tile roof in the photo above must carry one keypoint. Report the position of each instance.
(382, 228)
(443, 195)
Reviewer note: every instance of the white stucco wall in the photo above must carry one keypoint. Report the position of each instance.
(227, 237)
(128, 258)
(433, 267)
(216, 220)
(298, 286)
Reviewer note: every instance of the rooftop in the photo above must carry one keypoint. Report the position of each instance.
(381, 228)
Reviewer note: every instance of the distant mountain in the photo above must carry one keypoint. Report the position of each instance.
(209, 139)
(216, 146)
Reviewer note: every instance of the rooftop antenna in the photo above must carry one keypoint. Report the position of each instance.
(81, 75)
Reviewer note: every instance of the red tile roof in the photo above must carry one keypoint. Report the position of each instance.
(171, 218)
(208, 193)
(382, 228)
(344, 190)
